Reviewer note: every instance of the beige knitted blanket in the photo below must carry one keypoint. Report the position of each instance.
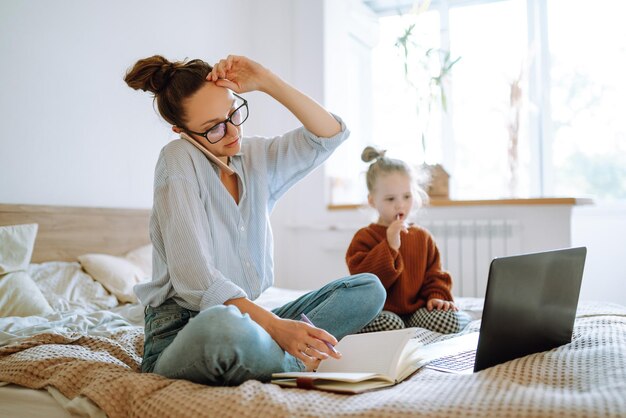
(586, 378)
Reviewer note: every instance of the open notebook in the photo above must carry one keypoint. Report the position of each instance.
(370, 361)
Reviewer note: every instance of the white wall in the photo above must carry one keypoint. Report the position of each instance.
(602, 229)
(72, 132)
(306, 251)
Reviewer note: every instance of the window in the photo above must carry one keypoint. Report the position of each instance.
(401, 113)
(533, 106)
(487, 119)
(587, 153)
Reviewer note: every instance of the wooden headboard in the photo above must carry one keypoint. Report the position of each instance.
(66, 232)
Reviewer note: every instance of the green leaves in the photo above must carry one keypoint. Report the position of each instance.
(425, 71)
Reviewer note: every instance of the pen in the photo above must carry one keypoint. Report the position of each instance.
(308, 321)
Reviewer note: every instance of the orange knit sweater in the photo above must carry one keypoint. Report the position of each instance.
(412, 275)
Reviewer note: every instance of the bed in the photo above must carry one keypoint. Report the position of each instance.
(80, 353)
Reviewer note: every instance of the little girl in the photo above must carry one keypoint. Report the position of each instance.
(403, 256)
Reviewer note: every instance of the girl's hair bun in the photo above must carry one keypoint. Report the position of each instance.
(371, 154)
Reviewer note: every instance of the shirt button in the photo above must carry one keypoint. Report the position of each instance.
(242, 228)
(247, 264)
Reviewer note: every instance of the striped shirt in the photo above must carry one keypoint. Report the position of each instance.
(207, 248)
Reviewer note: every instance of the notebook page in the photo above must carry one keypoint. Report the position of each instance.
(410, 360)
(374, 352)
(340, 377)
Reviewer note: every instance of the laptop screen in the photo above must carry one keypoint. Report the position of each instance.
(530, 304)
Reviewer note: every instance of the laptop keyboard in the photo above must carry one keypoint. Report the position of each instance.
(455, 362)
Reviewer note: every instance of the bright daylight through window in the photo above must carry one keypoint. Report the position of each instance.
(513, 98)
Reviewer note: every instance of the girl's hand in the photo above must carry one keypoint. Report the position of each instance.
(439, 304)
(240, 74)
(393, 233)
(303, 341)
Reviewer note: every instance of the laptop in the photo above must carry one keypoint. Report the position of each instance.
(530, 306)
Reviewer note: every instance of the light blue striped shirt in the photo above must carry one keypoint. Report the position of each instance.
(208, 249)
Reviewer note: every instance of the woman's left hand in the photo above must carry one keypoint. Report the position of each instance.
(240, 74)
(440, 304)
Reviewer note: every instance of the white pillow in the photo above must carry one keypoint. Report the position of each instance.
(16, 247)
(118, 274)
(142, 258)
(20, 296)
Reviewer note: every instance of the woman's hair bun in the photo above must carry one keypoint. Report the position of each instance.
(151, 74)
(371, 154)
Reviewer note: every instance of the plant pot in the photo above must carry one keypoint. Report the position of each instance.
(436, 181)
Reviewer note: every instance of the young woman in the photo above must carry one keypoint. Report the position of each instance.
(405, 257)
(211, 233)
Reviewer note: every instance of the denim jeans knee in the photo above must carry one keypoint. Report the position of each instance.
(221, 346)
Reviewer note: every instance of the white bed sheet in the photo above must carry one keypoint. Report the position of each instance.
(18, 401)
(67, 287)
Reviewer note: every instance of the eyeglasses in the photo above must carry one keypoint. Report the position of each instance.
(218, 131)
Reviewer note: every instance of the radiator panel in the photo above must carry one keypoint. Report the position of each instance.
(468, 246)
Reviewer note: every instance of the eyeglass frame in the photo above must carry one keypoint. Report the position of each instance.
(225, 121)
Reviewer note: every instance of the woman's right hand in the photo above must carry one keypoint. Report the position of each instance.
(302, 341)
(299, 339)
(240, 74)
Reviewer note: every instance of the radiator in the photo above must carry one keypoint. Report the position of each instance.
(468, 246)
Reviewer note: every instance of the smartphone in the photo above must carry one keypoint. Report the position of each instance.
(208, 153)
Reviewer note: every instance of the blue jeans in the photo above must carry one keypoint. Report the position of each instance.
(220, 346)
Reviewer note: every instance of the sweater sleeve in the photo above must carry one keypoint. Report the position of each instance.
(368, 255)
(437, 282)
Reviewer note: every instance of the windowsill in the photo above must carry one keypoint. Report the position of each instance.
(572, 201)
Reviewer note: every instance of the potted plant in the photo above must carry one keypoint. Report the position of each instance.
(426, 71)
